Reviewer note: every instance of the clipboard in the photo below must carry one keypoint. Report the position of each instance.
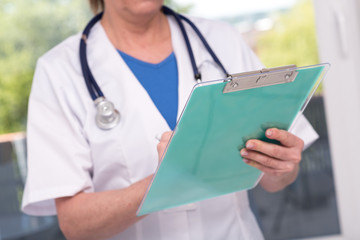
(202, 159)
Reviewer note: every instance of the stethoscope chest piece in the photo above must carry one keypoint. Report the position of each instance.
(107, 117)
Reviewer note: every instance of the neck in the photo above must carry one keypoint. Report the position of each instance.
(144, 36)
(128, 21)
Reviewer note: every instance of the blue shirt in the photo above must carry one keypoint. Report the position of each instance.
(160, 80)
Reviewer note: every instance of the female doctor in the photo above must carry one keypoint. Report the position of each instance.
(94, 179)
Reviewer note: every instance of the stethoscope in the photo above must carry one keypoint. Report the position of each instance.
(107, 117)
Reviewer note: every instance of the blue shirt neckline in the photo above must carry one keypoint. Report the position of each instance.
(128, 57)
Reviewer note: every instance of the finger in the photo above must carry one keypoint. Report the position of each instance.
(265, 169)
(161, 146)
(161, 149)
(266, 160)
(165, 137)
(284, 137)
(271, 150)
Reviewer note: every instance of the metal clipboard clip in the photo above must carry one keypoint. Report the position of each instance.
(260, 78)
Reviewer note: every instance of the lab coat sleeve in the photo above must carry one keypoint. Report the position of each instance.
(59, 159)
(303, 129)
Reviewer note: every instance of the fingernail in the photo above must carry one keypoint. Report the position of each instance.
(269, 132)
(246, 161)
(244, 152)
(249, 145)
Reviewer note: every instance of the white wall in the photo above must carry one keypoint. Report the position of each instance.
(338, 31)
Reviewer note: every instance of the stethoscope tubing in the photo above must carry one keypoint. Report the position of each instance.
(178, 17)
(167, 11)
(207, 46)
(91, 84)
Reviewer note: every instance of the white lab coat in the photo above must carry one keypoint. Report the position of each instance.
(68, 153)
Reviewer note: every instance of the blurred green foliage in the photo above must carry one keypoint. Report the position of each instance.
(28, 29)
(181, 8)
(292, 39)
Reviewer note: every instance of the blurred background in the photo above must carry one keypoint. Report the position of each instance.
(323, 203)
